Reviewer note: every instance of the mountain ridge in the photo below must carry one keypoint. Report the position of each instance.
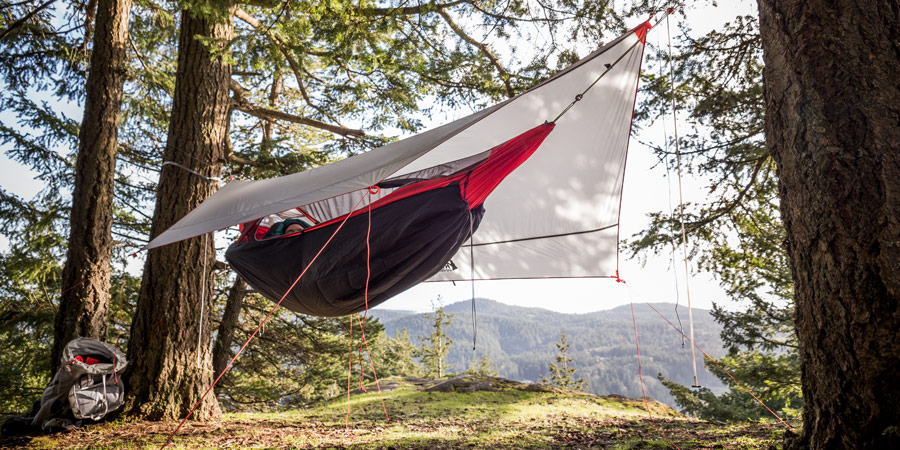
(521, 341)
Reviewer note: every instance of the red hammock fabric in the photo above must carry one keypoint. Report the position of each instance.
(477, 184)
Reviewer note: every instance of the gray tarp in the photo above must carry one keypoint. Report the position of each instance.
(555, 216)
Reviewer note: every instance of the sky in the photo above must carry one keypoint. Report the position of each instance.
(652, 278)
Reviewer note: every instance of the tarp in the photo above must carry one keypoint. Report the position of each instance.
(555, 216)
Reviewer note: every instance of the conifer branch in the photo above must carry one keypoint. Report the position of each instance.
(24, 19)
(423, 8)
(292, 62)
(242, 104)
(483, 48)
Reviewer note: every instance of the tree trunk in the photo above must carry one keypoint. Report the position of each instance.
(171, 359)
(225, 336)
(83, 308)
(269, 125)
(833, 126)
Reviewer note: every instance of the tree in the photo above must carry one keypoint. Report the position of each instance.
(737, 233)
(395, 356)
(169, 347)
(84, 303)
(773, 378)
(561, 372)
(222, 351)
(44, 64)
(482, 366)
(434, 349)
(832, 102)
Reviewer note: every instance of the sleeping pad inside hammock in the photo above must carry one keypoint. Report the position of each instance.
(415, 230)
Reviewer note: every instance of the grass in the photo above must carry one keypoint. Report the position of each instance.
(496, 414)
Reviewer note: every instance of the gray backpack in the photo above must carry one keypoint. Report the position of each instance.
(86, 386)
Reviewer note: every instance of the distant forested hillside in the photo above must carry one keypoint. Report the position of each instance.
(522, 343)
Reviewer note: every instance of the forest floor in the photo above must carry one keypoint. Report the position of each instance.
(479, 412)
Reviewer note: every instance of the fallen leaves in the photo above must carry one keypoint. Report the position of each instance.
(512, 417)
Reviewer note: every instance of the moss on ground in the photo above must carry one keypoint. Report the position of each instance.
(477, 412)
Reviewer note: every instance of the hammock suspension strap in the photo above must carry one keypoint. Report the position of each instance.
(671, 213)
(472, 276)
(687, 269)
(202, 297)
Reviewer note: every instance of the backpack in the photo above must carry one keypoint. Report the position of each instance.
(86, 386)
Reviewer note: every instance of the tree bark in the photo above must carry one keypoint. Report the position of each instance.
(833, 127)
(169, 370)
(83, 308)
(225, 336)
(269, 125)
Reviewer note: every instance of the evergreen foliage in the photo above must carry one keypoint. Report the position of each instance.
(482, 366)
(396, 356)
(29, 287)
(772, 378)
(737, 235)
(44, 54)
(26, 330)
(296, 359)
(41, 55)
(562, 371)
(522, 341)
(434, 349)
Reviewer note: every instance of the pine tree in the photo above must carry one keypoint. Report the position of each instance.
(83, 308)
(168, 325)
(736, 234)
(222, 349)
(44, 63)
(434, 349)
(396, 356)
(562, 372)
(482, 366)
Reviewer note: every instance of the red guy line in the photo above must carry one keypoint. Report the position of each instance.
(180, 424)
(723, 370)
(641, 377)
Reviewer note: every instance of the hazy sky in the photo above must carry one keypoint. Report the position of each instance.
(646, 190)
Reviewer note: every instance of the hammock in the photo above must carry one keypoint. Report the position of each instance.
(544, 204)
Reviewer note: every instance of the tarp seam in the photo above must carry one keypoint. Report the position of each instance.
(548, 236)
